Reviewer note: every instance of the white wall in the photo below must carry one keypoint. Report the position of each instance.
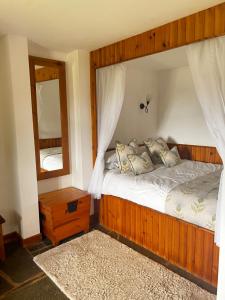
(134, 122)
(23, 185)
(8, 163)
(174, 114)
(78, 80)
(18, 186)
(180, 117)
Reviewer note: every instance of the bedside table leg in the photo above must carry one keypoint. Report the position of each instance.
(55, 243)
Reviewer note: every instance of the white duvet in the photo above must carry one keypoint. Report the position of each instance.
(151, 189)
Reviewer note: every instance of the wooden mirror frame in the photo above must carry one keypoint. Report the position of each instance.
(60, 65)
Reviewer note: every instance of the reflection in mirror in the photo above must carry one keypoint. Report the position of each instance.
(48, 91)
(49, 121)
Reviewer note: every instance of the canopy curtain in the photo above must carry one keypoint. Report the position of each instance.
(111, 82)
(207, 63)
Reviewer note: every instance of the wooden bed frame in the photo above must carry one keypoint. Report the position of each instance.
(183, 244)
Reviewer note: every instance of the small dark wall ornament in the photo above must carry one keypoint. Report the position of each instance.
(145, 106)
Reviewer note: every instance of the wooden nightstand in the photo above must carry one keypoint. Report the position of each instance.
(64, 213)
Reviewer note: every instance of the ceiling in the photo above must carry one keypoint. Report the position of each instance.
(165, 60)
(64, 25)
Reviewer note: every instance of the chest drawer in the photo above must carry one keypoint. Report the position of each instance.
(69, 211)
(64, 212)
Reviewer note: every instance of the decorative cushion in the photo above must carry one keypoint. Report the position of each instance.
(122, 151)
(111, 161)
(171, 157)
(154, 147)
(140, 164)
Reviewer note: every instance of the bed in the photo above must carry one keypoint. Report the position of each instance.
(51, 158)
(187, 191)
(139, 211)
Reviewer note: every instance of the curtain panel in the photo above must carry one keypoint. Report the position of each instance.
(111, 82)
(207, 63)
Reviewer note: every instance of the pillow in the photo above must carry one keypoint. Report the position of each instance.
(171, 157)
(142, 149)
(154, 147)
(111, 161)
(122, 151)
(140, 164)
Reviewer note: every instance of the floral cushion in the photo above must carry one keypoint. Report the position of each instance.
(122, 151)
(140, 164)
(154, 147)
(170, 158)
(111, 161)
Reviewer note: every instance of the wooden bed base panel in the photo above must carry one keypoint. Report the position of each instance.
(183, 244)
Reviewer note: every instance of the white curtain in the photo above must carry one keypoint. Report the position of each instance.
(110, 95)
(207, 63)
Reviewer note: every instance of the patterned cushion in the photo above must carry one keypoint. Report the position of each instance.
(154, 147)
(122, 151)
(111, 161)
(171, 157)
(140, 164)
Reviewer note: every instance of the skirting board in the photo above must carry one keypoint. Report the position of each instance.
(16, 237)
(12, 237)
(35, 239)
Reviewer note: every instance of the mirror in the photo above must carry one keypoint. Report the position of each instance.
(49, 106)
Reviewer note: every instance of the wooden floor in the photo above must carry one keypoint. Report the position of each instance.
(185, 245)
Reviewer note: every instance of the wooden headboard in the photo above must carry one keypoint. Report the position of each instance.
(194, 152)
(198, 153)
(50, 143)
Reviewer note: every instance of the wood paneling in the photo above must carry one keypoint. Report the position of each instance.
(205, 24)
(33, 240)
(186, 245)
(198, 153)
(60, 66)
(50, 143)
(177, 241)
(46, 73)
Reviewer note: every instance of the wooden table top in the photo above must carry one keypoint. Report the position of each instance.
(61, 196)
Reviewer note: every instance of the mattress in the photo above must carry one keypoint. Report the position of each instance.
(152, 189)
(51, 158)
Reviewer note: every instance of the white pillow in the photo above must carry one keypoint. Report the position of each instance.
(140, 164)
(122, 151)
(155, 147)
(171, 157)
(111, 161)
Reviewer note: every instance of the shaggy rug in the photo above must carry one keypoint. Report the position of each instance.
(96, 266)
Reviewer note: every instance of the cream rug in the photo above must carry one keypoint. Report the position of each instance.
(96, 266)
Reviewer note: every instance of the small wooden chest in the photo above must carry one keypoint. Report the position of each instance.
(64, 213)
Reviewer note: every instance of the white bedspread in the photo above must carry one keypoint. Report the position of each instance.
(51, 158)
(151, 189)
